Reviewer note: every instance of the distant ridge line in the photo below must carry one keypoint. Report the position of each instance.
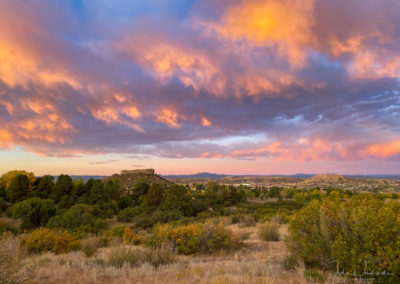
(205, 175)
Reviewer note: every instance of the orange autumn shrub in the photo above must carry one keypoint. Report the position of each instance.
(46, 240)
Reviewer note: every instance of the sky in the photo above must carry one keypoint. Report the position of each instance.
(226, 86)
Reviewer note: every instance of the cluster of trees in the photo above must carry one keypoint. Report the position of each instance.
(85, 206)
(151, 204)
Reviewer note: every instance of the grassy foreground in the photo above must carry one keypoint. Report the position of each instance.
(256, 262)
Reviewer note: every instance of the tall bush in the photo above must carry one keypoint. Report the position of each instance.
(360, 234)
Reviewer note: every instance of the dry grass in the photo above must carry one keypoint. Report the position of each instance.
(90, 246)
(76, 269)
(11, 266)
(257, 262)
(269, 231)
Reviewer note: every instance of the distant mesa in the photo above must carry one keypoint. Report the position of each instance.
(326, 178)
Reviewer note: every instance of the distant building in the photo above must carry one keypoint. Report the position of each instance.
(142, 171)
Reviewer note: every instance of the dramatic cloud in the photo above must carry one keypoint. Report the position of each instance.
(290, 80)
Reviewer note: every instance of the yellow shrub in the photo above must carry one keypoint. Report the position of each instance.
(162, 234)
(194, 238)
(188, 238)
(44, 240)
(130, 237)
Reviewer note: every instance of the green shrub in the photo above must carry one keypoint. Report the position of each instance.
(349, 235)
(3, 205)
(115, 236)
(34, 212)
(90, 245)
(129, 213)
(117, 232)
(144, 222)
(165, 216)
(46, 240)
(80, 217)
(7, 228)
(235, 219)
(269, 232)
(218, 237)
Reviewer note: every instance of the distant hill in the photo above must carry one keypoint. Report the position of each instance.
(395, 177)
(206, 175)
(129, 178)
(299, 175)
(326, 178)
(203, 175)
(85, 178)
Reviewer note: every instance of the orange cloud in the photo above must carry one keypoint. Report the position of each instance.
(286, 24)
(5, 138)
(37, 106)
(19, 65)
(51, 128)
(106, 114)
(368, 62)
(205, 122)
(169, 117)
(166, 60)
(113, 114)
(9, 106)
(304, 149)
(382, 150)
(23, 51)
(120, 97)
(131, 111)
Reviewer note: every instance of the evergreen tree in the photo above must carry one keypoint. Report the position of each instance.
(97, 194)
(113, 189)
(63, 186)
(18, 189)
(140, 188)
(155, 195)
(177, 198)
(45, 187)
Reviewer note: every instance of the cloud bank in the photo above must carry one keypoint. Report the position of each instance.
(289, 80)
